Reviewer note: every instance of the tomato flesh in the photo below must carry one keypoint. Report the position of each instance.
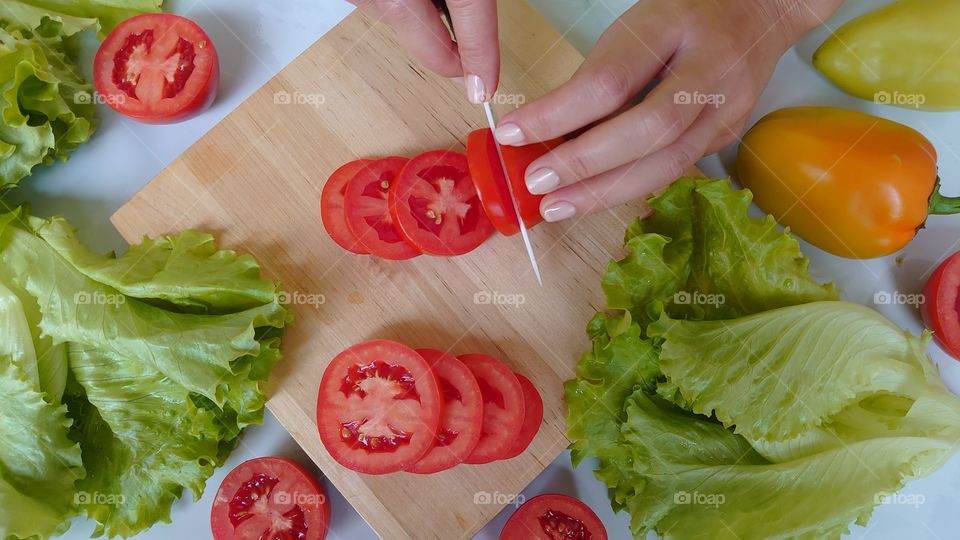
(436, 205)
(553, 517)
(157, 68)
(332, 210)
(378, 407)
(532, 418)
(462, 420)
(503, 409)
(270, 498)
(368, 212)
(941, 306)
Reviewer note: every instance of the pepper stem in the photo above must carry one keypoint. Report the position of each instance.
(941, 205)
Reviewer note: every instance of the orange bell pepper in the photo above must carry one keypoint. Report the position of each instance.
(852, 184)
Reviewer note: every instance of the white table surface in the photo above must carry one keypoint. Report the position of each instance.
(257, 38)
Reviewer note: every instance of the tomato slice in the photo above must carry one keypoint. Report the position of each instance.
(491, 185)
(462, 420)
(368, 214)
(553, 517)
(436, 206)
(379, 407)
(941, 305)
(272, 498)
(503, 407)
(532, 418)
(331, 207)
(157, 68)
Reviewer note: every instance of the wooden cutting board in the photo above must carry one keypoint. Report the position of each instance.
(255, 181)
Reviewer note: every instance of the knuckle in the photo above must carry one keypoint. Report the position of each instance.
(680, 158)
(612, 82)
(393, 11)
(658, 125)
(575, 165)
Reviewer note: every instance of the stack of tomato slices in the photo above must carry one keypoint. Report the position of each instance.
(384, 407)
(440, 203)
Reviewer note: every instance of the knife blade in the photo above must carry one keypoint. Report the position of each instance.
(491, 119)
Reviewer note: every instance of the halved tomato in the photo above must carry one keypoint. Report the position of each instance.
(378, 407)
(331, 207)
(503, 407)
(368, 213)
(553, 517)
(532, 418)
(462, 420)
(270, 498)
(157, 68)
(491, 185)
(941, 305)
(434, 203)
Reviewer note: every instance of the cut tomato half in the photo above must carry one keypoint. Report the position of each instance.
(503, 407)
(436, 206)
(368, 213)
(491, 185)
(462, 420)
(378, 407)
(532, 418)
(941, 305)
(554, 517)
(157, 68)
(270, 498)
(331, 207)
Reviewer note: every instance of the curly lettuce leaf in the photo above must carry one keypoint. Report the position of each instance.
(75, 15)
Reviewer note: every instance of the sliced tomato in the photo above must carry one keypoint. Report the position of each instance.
(331, 207)
(553, 517)
(378, 407)
(368, 213)
(941, 305)
(491, 185)
(532, 418)
(503, 407)
(157, 68)
(271, 498)
(462, 420)
(434, 203)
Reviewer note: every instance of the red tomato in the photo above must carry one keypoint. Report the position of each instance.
(503, 407)
(270, 498)
(553, 517)
(492, 186)
(331, 207)
(368, 214)
(941, 309)
(460, 426)
(379, 407)
(533, 416)
(434, 203)
(157, 68)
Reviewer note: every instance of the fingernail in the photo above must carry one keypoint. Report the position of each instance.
(559, 211)
(542, 181)
(476, 91)
(509, 134)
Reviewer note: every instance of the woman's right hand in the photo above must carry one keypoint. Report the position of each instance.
(475, 55)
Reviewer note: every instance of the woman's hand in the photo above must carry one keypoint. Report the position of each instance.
(420, 30)
(711, 59)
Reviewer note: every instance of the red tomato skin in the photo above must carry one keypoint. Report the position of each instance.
(940, 307)
(524, 523)
(332, 210)
(397, 251)
(532, 418)
(220, 526)
(501, 424)
(200, 102)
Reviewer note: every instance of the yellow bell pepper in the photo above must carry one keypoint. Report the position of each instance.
(904, 54)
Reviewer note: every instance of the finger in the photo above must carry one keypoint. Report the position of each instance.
(475, 23)
(420, 31)
(661, 118)
(633, 180)
(624, 61)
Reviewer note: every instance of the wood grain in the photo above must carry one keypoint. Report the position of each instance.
(255, 181)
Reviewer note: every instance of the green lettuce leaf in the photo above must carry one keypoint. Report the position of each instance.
(76, 15)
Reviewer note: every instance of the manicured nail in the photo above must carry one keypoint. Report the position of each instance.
(542, 181)
(509, 134)
(476, 91)
(559, 211)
